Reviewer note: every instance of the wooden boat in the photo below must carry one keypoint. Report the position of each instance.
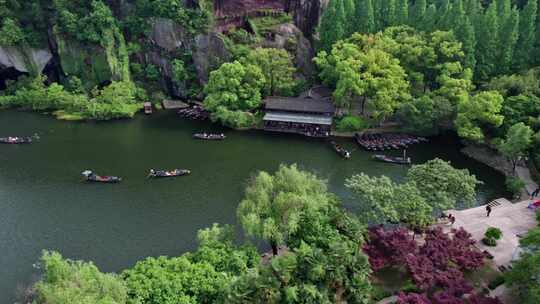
(393, 159)
(13, 140)
(340, 150)
(147, 108)
(209, 136)
(92, 177)
(171, 173)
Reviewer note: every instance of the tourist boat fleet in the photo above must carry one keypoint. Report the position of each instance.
(390, 141)
(194, 113)
(370, 142)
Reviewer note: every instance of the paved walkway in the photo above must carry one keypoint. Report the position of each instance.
(513, 220)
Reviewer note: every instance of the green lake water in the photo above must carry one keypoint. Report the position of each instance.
(45, 205)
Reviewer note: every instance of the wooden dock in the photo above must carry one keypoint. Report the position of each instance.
(169, 104)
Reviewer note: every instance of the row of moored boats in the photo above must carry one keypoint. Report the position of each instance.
(381, 142)
(387, 141)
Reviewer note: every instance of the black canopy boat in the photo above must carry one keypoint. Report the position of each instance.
(340, 150)
(404, 160)
(209, 136)
(92, 177)
(14, 140)
(165, 173)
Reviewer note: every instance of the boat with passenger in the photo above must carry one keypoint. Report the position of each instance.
(92, 177)
(15, 140)
(209, 136)
(168, 173)
(340, 150)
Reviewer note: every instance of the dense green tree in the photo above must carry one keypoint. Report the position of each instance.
(350, 11)
(420, 115)
(465, 33)
(277, 68)
(508, 37)
(360, 72)
(430, 19)
(443, 16)
(332, 26)
(442, 185)
(234, 88)
(10, 33)
(275, 205)
(322, 261)
(388, 13)
(523, 276)
(66, 281)
(481, 110)
(527, 27)
(179, 72)
(382, 200)
(365, 18)
(199, 277)
(418, 12)
(402, 12)
(517, 140)
(487, 35)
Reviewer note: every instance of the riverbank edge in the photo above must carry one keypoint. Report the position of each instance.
(490, 157)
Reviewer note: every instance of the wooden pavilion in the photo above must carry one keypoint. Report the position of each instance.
(306, 115)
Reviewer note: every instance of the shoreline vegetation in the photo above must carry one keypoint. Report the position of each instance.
(324, 252)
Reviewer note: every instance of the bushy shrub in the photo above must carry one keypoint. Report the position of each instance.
(514, 185)
(233, 119)
(117, 100)
(494, 233)
(351, 123)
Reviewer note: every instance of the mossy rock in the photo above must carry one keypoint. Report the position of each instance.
(94, 64)
(88, 63)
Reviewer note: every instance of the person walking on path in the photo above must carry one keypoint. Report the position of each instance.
(535, 193)
(488, 209)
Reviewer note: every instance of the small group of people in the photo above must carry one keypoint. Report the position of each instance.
(311, 130)
(450, 218)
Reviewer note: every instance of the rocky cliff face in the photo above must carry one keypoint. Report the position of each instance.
(24, 60)
(307, 14)
(95, 64)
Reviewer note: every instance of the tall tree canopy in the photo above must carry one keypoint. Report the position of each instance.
(276, 205)
(277, 68)
(234, 89)
(442, 185)
(481, 110)
(517, 141)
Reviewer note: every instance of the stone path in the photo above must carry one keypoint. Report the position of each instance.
(513, 220)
